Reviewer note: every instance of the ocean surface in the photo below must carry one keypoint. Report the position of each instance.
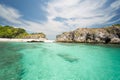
(59, 61)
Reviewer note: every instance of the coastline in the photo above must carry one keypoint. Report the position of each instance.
(45, 40)
(22, 40)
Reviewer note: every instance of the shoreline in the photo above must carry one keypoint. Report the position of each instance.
(46, 41)
(86, 42)
(25, 40)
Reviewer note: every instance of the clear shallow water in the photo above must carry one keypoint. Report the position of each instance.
(59, 61)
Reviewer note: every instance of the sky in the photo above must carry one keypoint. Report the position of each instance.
(53, 17)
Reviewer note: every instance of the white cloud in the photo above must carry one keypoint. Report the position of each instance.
(10, 14)
(77, 13)
(116, 4)
(13, 16)
(84, 12)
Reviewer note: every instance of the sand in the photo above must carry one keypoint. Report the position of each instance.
(20, 40)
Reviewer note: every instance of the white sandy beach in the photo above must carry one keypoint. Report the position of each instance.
(23, 40)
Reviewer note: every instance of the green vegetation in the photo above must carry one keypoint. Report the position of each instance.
(11, 32)
(116, 25)
(40, 34)
(35, 36)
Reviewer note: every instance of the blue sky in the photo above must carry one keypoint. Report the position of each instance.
(53, 17)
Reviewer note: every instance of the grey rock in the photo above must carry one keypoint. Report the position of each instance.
(115, 40)
(91, 35)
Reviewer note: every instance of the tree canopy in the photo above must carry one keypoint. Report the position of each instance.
(11, 32)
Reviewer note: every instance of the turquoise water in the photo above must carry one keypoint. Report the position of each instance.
(59, 61)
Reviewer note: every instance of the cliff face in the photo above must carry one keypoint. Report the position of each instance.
(35, 36)
(92, 35)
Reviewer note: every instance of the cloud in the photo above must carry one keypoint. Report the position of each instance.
(10, 14)
(65, 15)
(116, 4)
(82, 13)
(13, 16)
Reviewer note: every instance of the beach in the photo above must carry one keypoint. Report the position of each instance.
(21, 40)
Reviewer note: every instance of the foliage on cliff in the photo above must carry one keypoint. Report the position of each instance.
(11, 32)
(35, 36)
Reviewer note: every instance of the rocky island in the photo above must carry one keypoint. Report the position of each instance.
(92, 35)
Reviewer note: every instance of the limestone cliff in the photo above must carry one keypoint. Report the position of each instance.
(92, 35)
(35, 36)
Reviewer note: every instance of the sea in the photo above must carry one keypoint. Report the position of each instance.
(59, 61)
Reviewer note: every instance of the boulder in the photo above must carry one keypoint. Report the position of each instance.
(115, 40)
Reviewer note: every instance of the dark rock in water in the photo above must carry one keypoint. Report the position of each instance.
(68, 58)
(92, 35)
(35, 41)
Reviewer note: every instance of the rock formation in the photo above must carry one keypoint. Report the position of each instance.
(92, 35)
(35, 36)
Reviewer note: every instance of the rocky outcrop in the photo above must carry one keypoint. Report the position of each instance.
(65, 37)
(92, 35)
(35, 36)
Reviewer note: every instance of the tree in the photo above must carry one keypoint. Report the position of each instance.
(10, 32)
